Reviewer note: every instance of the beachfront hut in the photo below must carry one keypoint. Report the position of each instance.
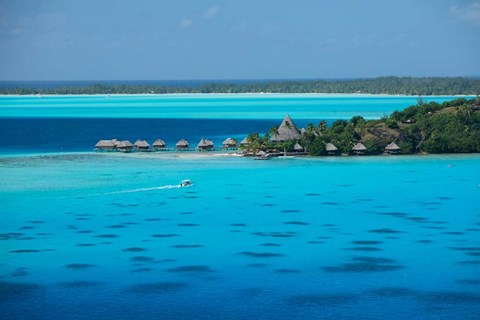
(392, 148)
(297, 147)
(205, 145)
(124, 146)
(286, 131)
(331, 149)
(159, 144)
(359, 148)
(105, 145)
(229, 143)
(182, 145)
(141, 145)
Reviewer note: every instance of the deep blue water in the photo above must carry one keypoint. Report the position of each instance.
(81, 134)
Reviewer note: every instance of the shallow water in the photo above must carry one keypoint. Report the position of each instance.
(113, 237)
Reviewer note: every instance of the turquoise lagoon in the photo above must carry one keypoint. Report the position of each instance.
(109, 236)
(210, 106)
(113, 236)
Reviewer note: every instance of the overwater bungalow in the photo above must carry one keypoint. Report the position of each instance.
(105, 145)
(205, 145)
(182, 145)
(331, 149)
(159, 144)
(229, 143)
(392, 148)
(297, 147)
(286, 131)
(141, 145)
(124, 146)
(359, 148)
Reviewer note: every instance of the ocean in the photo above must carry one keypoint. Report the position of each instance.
(87, 235)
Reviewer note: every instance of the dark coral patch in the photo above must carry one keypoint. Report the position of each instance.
(106, 236)
(330, 203)
(142, 259)
(469, 281)
(300, 223)
(385, 231)
(270, 244)
(372, 249)
(142, 270)
(25, 251)
(394, 292)
(286, 271)
(85, 245)
(166, 235)
(275, 234)
(19, 272)
(134, 249)
(365, 265)
(190, 269)
(261, 254)
(116, 226)
(290, 211)
(367, 242)
(188, 225)
(238, 225)
(450, 297)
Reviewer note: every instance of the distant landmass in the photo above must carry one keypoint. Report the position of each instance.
(381, 85)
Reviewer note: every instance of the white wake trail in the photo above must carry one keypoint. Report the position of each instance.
(137, 190)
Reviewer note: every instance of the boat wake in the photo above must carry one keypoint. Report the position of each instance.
(140, 190)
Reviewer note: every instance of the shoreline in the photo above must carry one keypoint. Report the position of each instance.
(193, 155)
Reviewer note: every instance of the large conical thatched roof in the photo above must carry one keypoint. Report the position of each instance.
(159, 143)
(297, 147)
(182, 143)
(286, 131)
(331, 147)
(105, 143)
(359, 147)
(392, 147)
(141, 144)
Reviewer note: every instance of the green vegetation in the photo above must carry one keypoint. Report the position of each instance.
(451, 127)
(382, 85)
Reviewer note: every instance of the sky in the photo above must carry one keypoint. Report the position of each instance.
(248, 39)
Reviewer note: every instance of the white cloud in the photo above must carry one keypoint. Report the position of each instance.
(469, 12)
(211, 13)
(185, 23)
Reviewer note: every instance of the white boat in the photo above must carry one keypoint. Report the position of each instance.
(185, 183)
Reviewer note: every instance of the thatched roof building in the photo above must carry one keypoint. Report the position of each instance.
(229, 143)
(124, 146)
(182, 144)
(330, 148)
(297, 147)
(392, 148)
(105, 145)
(359, 148)
(245, 142)
(205, 145)
(159, 144)
(141, 145)
(286, 131)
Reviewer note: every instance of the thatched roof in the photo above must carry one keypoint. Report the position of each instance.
(141, 144)
(182, 143)
(331, 147)
(124, 144)
(159, 143)
(392, 147)
(297, 147)
(245, 141)
(359, 147)
(105, 144)
(286, 131)
(229, 142)
(205, 143)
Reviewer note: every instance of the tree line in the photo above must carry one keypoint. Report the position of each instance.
(450, 127)
(381, 85)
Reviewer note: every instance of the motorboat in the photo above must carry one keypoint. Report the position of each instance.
(186, 183)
